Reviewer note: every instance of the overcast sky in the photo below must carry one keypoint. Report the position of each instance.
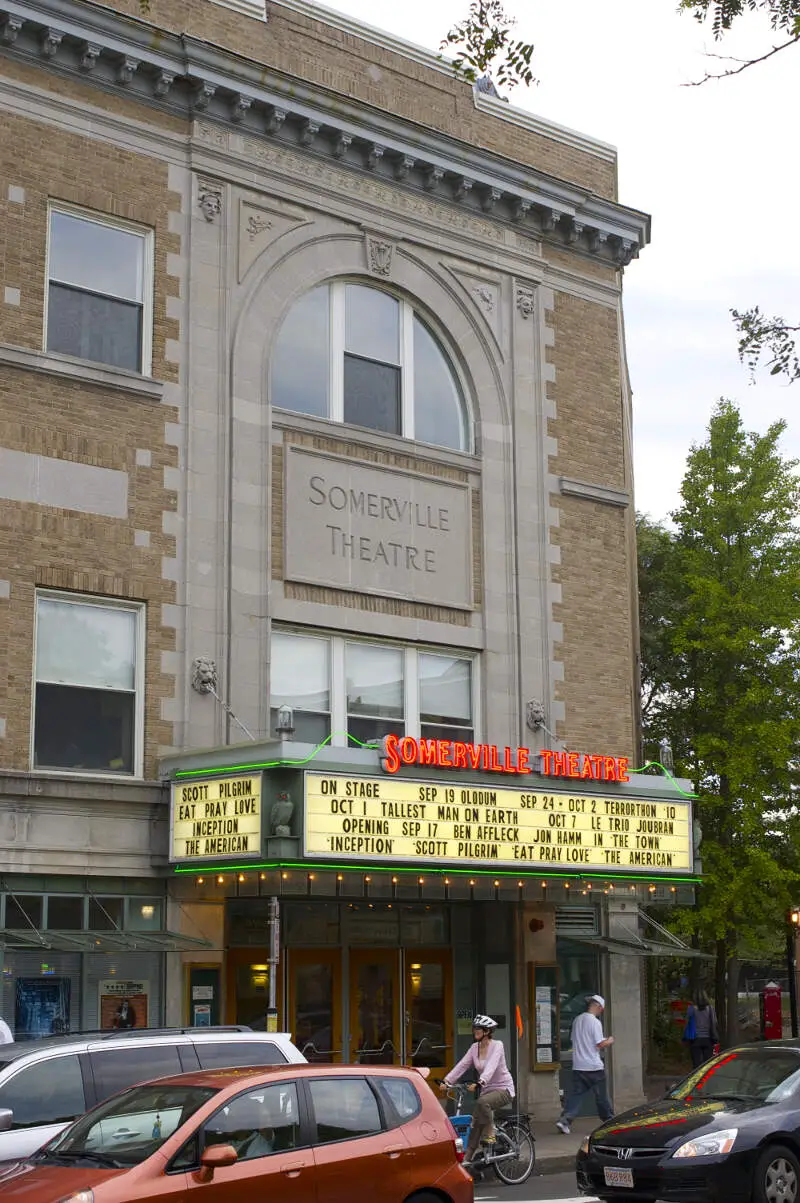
(716, 166)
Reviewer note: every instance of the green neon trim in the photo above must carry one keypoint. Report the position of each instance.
(270, 764)
(310, 867)
(278, 764)
(654, 764)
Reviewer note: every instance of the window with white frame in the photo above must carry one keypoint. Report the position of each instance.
(99, 290)
(88, 690)
(300, 676)
(343, 687)
(360, 355)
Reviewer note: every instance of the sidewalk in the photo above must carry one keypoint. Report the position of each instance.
(555, 1153)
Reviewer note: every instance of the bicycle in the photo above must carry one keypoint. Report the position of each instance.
(513, 1155)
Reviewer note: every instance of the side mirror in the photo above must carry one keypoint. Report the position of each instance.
(215, 1158)
(6, 1119)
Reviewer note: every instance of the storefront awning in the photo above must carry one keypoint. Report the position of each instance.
(100, 941)
(640, 948)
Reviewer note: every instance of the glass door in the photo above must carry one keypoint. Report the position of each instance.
(247, 973)
(374, 1007)
(315, 1019)
(429, 1010)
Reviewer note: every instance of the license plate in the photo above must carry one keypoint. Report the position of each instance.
(618, 1177)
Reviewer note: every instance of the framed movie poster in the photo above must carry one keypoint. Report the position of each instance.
(42, 1007)
(123, 1004)
(544, 1017)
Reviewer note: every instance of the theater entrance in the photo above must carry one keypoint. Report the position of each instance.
(373, 1006)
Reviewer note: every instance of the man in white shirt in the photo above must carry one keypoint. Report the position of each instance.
(5, 1032)
(588, 1070)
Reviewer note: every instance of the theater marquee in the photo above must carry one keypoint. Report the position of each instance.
(213, 818)
(387, 819)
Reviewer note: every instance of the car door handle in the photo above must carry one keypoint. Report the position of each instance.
(394, 1152)
(293, 1169)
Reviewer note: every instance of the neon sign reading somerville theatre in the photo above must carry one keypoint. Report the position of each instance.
(489, 758)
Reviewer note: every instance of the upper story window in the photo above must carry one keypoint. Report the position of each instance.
(356, 354)
(99, 291)
(336, 685)
(88, 703)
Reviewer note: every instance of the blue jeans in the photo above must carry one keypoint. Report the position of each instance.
(584, 1080)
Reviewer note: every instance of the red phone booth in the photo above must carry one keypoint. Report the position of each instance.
(771, 1013)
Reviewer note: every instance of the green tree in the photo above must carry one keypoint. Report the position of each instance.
(660, 599)
(720, 624)
(487, 49)
(763, 339)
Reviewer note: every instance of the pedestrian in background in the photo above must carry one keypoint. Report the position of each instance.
(588, 1068)
(701, 1031)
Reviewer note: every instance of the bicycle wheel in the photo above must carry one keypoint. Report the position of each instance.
(514, 1146)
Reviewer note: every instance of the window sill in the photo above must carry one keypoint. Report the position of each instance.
(284, 419)
(48, 363)
(90, 775)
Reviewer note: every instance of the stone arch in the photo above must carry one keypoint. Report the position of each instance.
(297, 269)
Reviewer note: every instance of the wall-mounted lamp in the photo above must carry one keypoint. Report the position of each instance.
(284, 723)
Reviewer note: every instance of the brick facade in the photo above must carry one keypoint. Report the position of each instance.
(44, 414)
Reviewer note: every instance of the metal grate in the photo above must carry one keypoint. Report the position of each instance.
(576, 921)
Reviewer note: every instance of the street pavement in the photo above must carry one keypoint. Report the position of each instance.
(546, 1188)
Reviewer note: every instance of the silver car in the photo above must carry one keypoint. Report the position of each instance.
(46, 1084)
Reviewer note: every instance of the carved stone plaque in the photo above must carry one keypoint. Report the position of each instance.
(372, 529)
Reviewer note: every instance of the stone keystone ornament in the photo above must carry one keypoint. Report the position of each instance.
(534, 715)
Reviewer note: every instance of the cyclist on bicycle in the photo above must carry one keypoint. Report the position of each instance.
(487, 1057)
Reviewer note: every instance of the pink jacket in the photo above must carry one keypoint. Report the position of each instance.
(493, 1076)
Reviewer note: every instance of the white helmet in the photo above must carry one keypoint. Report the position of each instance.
(484, 1021)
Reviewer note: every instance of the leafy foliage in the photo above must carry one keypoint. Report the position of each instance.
(721, 659)
(768, 338)
(783, 15)
(487, 47)
(760, 337)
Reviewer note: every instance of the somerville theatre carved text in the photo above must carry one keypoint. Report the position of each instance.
(377, 530)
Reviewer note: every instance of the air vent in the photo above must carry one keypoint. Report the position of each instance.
(576, 921)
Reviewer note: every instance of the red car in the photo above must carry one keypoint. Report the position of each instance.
(292, 1133)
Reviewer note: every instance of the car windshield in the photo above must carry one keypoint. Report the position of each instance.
(752, 1075)
(130, 1127)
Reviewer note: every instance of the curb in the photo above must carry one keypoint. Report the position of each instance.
(560, 1164)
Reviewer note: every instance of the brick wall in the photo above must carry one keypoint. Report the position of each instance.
(596, 568)
(81, 422)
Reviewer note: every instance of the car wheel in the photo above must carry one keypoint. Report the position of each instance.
(777, 1176)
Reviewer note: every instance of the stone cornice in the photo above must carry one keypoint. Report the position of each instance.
(603, 494)
(190, 78)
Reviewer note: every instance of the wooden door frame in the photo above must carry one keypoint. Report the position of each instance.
(319, 956)
(437, 956)
(392, 958)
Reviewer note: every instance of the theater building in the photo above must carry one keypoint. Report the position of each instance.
(318, 647)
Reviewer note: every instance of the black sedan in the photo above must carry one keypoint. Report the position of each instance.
(729, 1133)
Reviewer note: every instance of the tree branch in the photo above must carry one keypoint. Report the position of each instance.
(743, 63)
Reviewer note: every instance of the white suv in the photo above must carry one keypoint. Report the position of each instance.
(46, 1084)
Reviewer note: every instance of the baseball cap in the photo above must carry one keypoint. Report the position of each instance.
(597, 998)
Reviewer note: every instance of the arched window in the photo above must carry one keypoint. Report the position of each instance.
(356, 354)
